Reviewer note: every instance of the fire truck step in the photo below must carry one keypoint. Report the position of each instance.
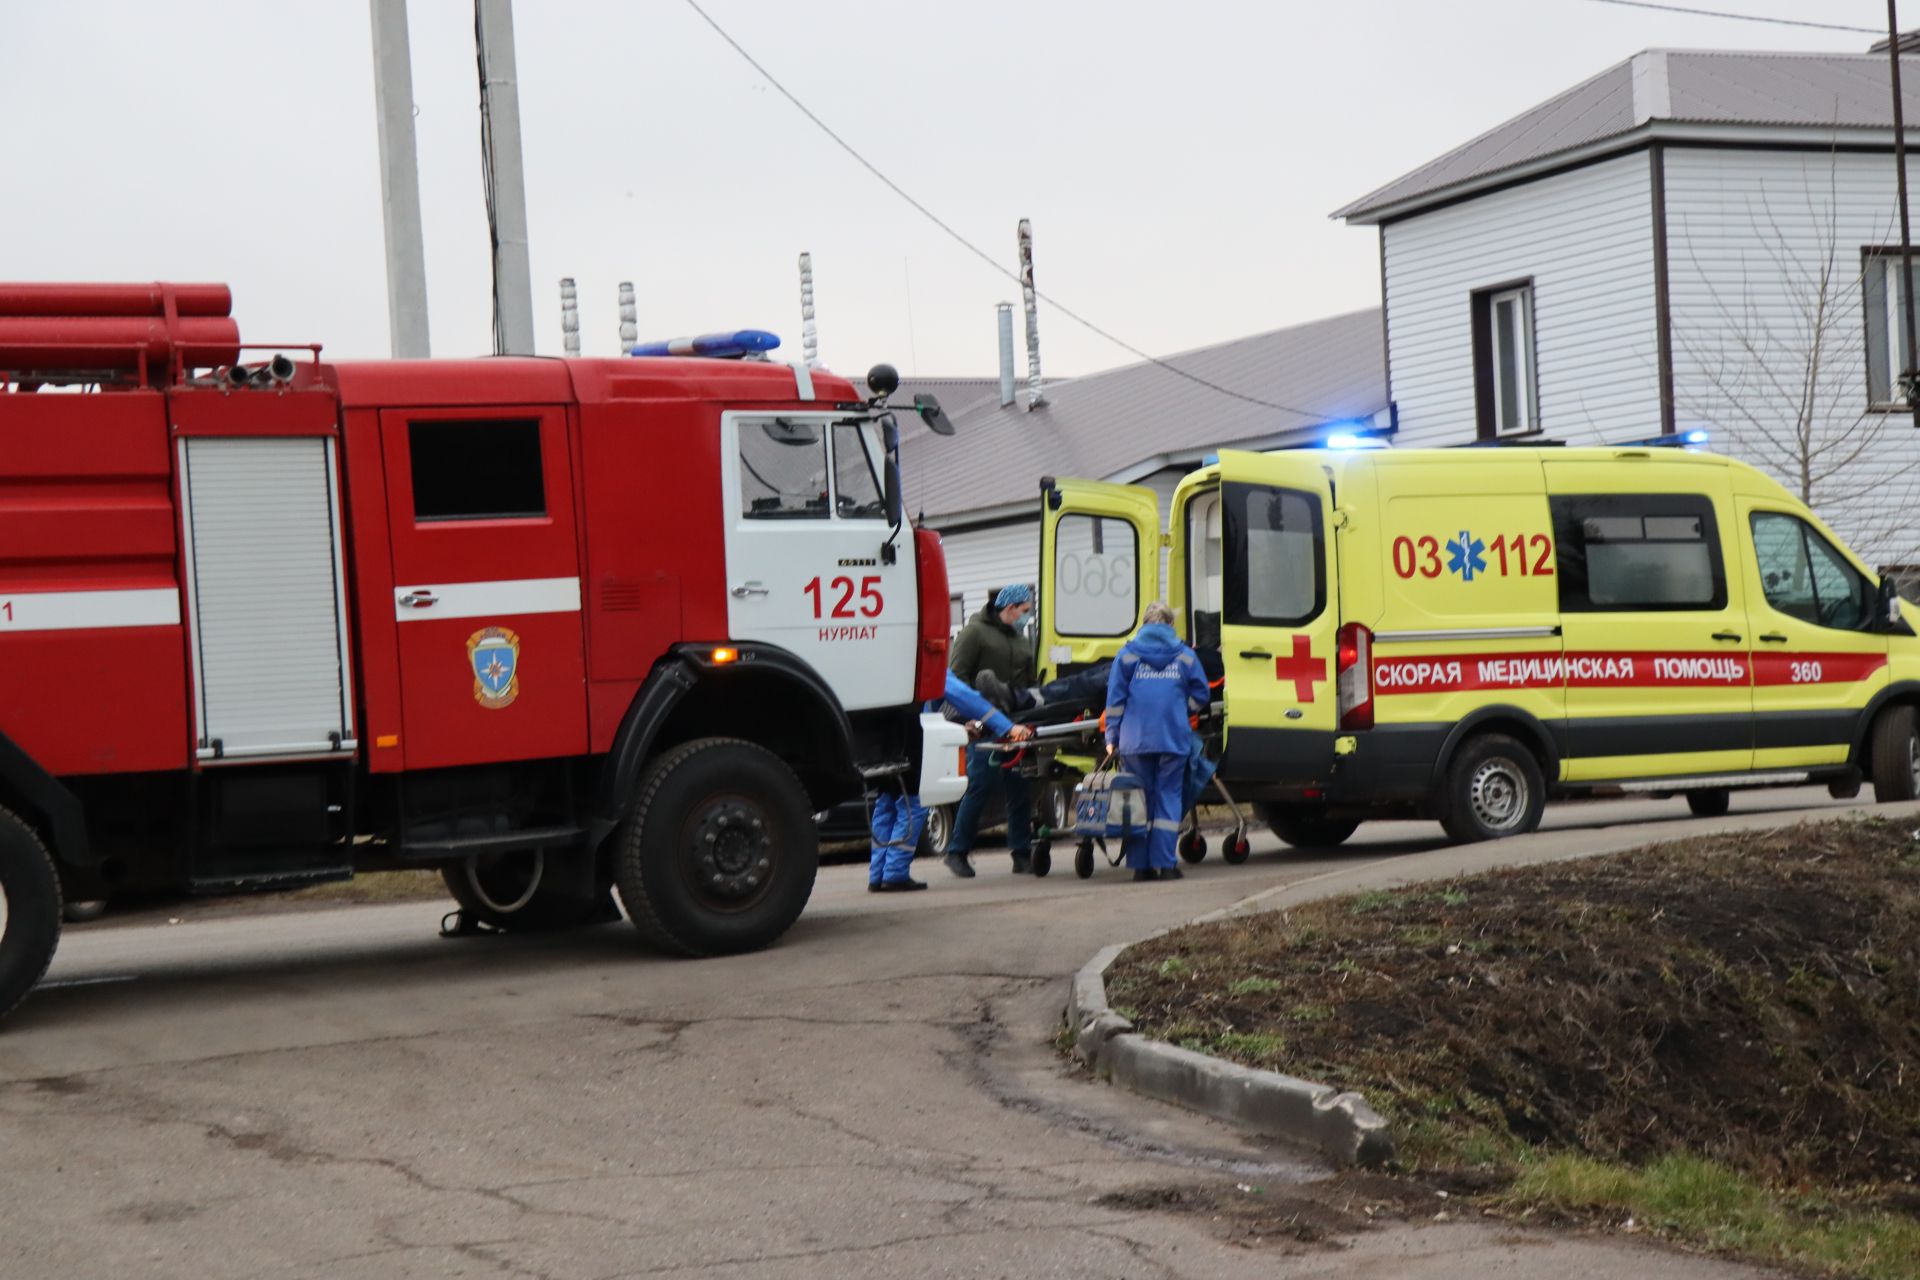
(231, 881)
(439, 847)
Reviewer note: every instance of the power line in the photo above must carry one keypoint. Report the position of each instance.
(1737, 17)
(976, 250)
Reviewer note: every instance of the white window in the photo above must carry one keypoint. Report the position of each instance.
(1886, 327)
(1510, 329)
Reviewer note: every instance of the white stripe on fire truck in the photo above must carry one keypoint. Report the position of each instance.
(487, 599)
(89, 610)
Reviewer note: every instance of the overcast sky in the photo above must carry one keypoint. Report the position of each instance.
(1178, 160)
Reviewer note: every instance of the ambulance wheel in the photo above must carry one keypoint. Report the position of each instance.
(720, 851)
(1896, 755)
(29, 910)
(1083, 859)
(1305, 829)
(1041, 857)
(1193, 846)
(1493, 788)
(513, 891)
(1709, 802)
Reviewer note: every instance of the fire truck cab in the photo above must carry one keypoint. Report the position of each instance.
(555, 627)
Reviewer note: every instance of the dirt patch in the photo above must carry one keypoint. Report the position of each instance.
(1317, 1213)
(1753, 998)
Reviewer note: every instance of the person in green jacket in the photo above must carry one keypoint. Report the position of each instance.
(992, 643)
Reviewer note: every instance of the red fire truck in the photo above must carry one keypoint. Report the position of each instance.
(555, 627)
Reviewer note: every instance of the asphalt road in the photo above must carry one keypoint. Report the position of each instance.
(340, 1092)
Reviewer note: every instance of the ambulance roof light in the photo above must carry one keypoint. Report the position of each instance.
(1349, 440)
(1694, 438)
(734, 344)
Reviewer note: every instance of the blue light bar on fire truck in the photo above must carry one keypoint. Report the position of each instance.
(736, 344)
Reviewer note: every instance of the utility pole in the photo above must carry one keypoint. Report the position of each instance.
(505, 180)
(399, 181)
(1908, 375)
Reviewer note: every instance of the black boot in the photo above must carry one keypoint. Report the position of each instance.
(1022, 864)
(1144, 873)
(1170, 873)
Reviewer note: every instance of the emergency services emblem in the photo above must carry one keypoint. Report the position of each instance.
(494, 655)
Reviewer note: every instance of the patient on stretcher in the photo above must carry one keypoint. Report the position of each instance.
(1083, 692)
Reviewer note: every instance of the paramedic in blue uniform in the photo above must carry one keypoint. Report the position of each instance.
(1155, 685)
(899, 817)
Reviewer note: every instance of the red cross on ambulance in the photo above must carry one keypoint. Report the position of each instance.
(1302, 668)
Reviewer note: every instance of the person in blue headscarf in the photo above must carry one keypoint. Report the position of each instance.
(992, 643)
(1155, 686)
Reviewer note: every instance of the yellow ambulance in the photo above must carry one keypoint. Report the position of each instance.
(1463, 634)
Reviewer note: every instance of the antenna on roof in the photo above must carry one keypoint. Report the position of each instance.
(569, 316)
(809, 335)
(1034, 398)
(629, 318)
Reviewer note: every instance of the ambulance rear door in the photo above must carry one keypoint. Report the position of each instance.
(1279, 614)
(1099, 569)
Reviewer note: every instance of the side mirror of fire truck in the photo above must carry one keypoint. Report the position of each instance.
(890, 439)
(933, 415)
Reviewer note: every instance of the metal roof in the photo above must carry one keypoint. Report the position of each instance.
(1126, 422)
(1682, 87)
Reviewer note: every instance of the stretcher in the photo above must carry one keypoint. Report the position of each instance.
(1059, 753)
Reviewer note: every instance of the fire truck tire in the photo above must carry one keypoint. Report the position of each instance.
(720, 853)
(1494, 788)
(30, 912)
(510, 891)
(1895, 755)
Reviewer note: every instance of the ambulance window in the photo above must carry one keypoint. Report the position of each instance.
(857, 493)
(1805, 578)
(1096, 576)
(1276, 556)
(476, 470)
(1630, 552)
(783, 470)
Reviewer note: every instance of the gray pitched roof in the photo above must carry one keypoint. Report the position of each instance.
(1124, 421)
(1832, 91)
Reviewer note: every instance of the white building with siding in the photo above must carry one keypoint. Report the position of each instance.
(1687, 241)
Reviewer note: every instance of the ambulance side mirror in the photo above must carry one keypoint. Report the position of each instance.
(1890, 619)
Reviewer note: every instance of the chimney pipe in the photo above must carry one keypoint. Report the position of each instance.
(1005, 310)
(809, 335)
(569, 316)
(629, 318)
(1034, 398)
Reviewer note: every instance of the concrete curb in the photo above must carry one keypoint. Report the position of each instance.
(1341, 1125)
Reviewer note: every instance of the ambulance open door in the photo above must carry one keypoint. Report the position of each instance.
(1099, 569)
(1279, 613)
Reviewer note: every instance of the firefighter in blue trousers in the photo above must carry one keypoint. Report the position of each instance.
(1156, 684)
(899, 817)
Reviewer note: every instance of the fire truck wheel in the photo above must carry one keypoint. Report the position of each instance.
(1493, 788)
(1709, 802)
(720, 852)
(511, 891)
(1305, 828)
(1896, 755)
(29, 910)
